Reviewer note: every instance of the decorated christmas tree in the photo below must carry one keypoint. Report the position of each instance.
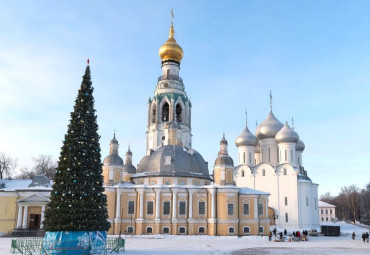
(77, 202)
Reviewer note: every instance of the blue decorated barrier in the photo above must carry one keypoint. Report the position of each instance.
(74, 242)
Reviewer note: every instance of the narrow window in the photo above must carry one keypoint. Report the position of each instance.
(286, 217)
(182, 230)
(242, 173)
(260, 209)
(231, 230)
(246, 230)
(286, 200)
(322, 211)
(269, 155)
(201, 230)
(286, 156)
(250, 157)
(263, 172)
(166, 208)
(130, 230)
(284, 171)
(243, 157)
(182, 208)
(202, 208)
(331, 211)
(291, 155)
(315, 204)
(166, 230)
(153, 115)
(306, 201)
(326, 211)
(149, 230)
(165, 112)
(322, 218)
(260, 229)
(149, 207)
(246, 209)
(326, 218)
(131, 206)
(178, 113)
(230, 209)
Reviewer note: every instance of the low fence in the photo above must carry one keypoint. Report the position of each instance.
(38, 246)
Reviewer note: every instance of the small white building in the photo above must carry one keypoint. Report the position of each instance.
(326, 212)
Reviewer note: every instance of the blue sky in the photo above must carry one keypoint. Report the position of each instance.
(313, 55)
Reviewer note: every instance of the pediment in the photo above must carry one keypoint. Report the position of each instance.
(34, 198)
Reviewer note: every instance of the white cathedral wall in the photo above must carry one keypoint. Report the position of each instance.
(246, 155)
(289, 150)
(269, 151)
(287, 187)
(298, 155)
(308, 209)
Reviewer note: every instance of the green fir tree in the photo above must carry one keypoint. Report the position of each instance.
(77, 199)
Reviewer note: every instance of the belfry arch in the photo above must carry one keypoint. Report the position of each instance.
(179, 113)
(165, 112)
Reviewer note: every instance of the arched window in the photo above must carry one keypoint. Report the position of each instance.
(269, 154)
(231, 230)
(166, 230)
(201, 230)
(246, 230)
(154, 113)
(284, 171)
(182, 230)
(250, 157)
(149, 230)
(178, 113)
(263, 172)
(165, 112)
(242, 173)
(244, 157)
(130, 230)
(286, 200)
(291, 155)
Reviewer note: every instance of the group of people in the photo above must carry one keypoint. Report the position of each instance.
(364, 236)
(296, 235)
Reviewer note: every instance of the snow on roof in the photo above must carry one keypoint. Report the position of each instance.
(17, 184)
(324, 204)
(248, 191)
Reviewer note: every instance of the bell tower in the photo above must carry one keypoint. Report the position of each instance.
(170, 104)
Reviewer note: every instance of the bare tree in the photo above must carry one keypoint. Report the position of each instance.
(327, 197)
(44, 164)
(365, 204)
(26, 173)
(7, 165)
(350, 197)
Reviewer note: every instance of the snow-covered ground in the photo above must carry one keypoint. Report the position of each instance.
(184, 245)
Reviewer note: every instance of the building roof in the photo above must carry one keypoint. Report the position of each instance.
(324, 204)
(16, 184)
(173, 160)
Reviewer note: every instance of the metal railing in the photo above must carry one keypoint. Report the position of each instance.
(169, 77)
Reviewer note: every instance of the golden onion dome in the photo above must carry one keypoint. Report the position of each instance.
(170, 50)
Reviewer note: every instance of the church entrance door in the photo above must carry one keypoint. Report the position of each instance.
(34, 221)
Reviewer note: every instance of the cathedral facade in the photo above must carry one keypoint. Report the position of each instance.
(171, 191)
(272, 161)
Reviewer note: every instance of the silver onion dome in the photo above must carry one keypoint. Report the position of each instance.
(269, 127)
(246, 138)
(286, 135)
(300, 145)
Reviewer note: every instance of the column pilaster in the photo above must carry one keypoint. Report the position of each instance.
(25, 217)
(118, 205)
(20, 213)
(42, 216)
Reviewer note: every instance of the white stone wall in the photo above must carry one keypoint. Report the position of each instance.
(269, 151)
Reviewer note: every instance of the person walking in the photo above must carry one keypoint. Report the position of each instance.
(274, 232)
(353, 236)
(367, 237)
(285, 232)
(281, 235)
(270, 236)
(363, 237)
